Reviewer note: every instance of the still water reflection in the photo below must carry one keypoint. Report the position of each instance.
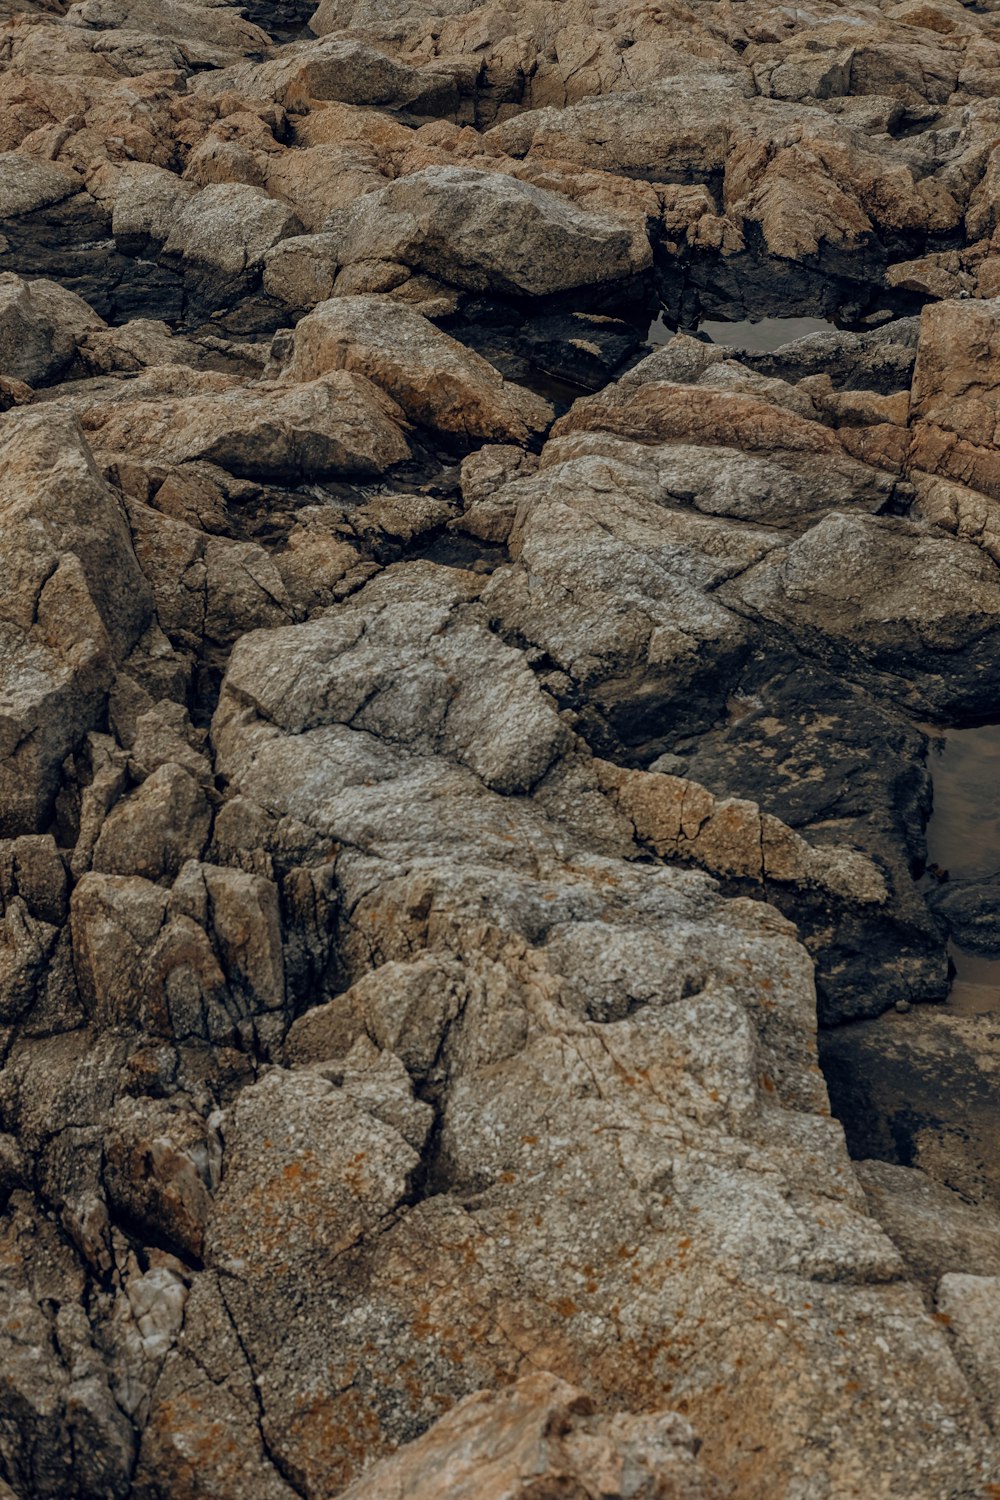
(765, 334)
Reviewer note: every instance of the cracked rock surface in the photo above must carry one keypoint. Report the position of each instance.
(453, 750)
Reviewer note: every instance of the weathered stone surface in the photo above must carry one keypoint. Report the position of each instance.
(340, 68)
(889, 603)
(222, 233)
(489, 232)
(161, 1165)
(437, 382)
(319, 774)
(368, 668)
(215, 29)
(542, 1438)
(917, 1090)
(336, 424)
(202, 960)
(954, 394)
(26, 184)
(971, 1307)
(934, 1228)
(156, 830)
(40, 326)
(454, 749)
(75, 603)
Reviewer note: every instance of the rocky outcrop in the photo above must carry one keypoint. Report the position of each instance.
(462, 762)
(489, 232)
(543, 1436)
(438, 383)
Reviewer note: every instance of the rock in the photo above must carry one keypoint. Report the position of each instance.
(148, 202)
(215, 30)
(543, 1434)
(935, 1229)
(75, 604)
(489, 509)
(972, 912)
(27, 185)
(206, 587)
(370, 667)
(40, 327)
(156, 830)
(340, 68)
(436, 382)
(901, 608)
(306, 1173)
(160, 1167)
(302, 269)
(486, 231)
(221, 235)
(205, 1402)
(137, 345)
(337, 424)
(915, 1090)
(171, 964)
(353, 783)
(51, 1408)
(458, 747)
(953, 394)
(971, 1307)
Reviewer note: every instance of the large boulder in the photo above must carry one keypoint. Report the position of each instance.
(337, 424)
(216, 32)
(439, 383)
(340, 68)
(41, 325)
(489, 232)
(889, 602)
(955, 402)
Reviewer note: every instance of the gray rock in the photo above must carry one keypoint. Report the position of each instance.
(486, 231)
(156, 830)
(971, 1306)
(41, 325)
(368, 668)
(147, 204)
(890, 603)
(203, 960)
(222, 233)
(336, 425)
(935, 1229)
(342, 69)
(217, 29)
(971, 910)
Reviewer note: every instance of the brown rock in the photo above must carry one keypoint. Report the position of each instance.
(155, 830)
(337, 424)
(436, 381)
(539, 1440)
(161, 1164)
(74, 604)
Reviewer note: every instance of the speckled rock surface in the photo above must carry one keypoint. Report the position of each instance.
(464, 750)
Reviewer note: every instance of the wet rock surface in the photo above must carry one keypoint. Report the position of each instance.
(453, 749)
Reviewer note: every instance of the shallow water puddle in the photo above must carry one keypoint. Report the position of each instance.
(765, 334)
(963, 842)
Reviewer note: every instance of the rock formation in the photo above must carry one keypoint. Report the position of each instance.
(453, 750)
